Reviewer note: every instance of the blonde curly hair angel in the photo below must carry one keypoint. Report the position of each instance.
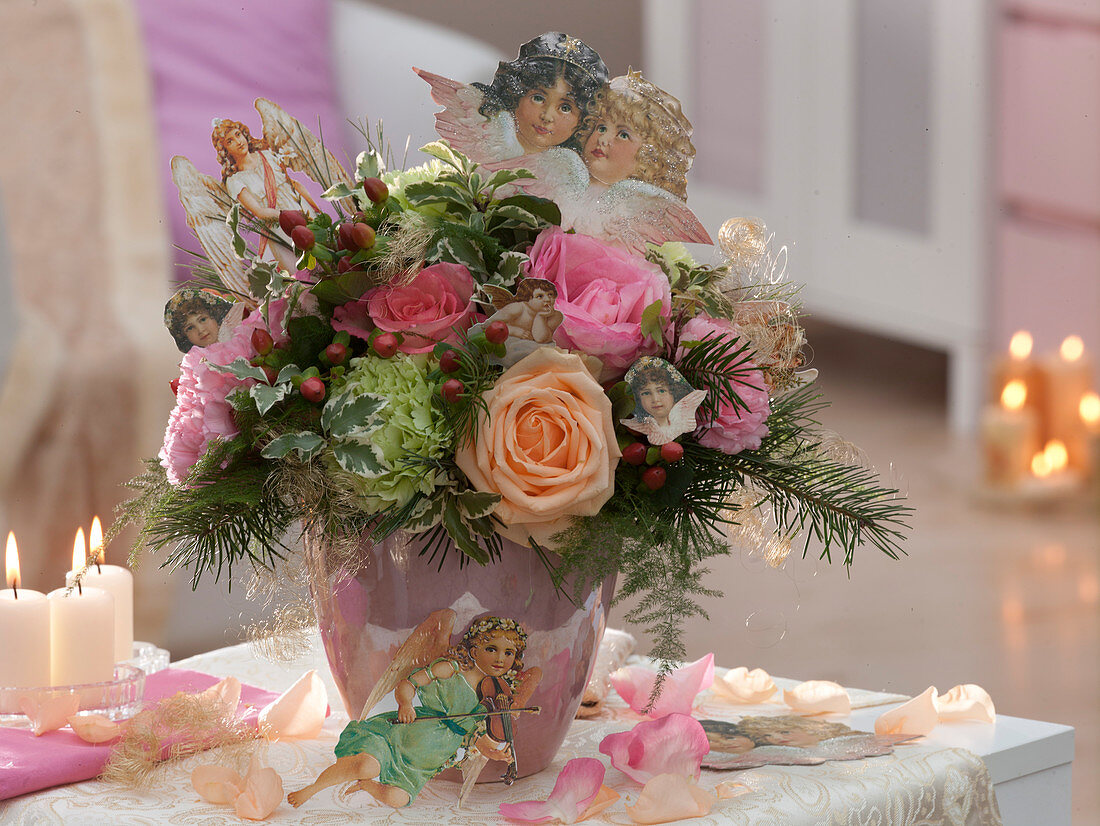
(221, 130)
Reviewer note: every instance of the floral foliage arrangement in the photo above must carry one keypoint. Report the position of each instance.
(396, 379)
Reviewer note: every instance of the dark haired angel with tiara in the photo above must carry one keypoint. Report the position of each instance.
(544, 98)
(461, 720)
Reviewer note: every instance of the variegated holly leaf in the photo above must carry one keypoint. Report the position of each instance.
(476, 504)
(306, 444)
(267, 396)
(345, 414)
(241, 368)
(361, 459)
(426, 515)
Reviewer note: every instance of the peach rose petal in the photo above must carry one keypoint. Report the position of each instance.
(669, 797)
(576, 791)
(227, 693)
(262, 793)
(965, 702)
(635, 683)
(729, 789)
(49, 714)
(95, 728)
(217, 784)
(739, 685)
(298, 713)
(918, 716)
(673, 744)
(605, 798)
(818, 697)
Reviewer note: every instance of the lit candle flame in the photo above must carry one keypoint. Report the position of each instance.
(1020, 345)
(1089, 408)
(1056, 454)
(1072, 348)
(1014, 395)
(95, 541)
(80, 552)
(11, 560)
(1040, 465)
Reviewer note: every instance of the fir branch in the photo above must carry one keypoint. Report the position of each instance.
(718, 364)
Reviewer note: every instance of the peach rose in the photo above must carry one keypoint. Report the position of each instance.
(548, 446)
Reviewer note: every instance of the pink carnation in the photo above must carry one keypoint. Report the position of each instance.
(602, 292)
(740, 429)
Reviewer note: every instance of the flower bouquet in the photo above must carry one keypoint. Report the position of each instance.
(481, 362)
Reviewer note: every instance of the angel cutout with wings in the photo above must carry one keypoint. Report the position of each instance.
(463, 691)
(629, 184)
(254, 174)
(664, 403)
(543, 98)
(530, 314)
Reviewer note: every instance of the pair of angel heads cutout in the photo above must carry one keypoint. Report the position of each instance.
(613, 154)
(457, 706)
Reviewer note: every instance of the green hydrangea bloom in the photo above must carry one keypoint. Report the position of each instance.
(398, 180)
(407, 426)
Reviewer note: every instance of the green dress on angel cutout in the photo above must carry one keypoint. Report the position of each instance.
(411, 754)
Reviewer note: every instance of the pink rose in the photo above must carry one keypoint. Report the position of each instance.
(740, 429)
(602, 292)
(431, 308)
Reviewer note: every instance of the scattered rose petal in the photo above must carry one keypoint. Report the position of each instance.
(918, 716)
(217, 784)
(739, 685)
(965, 702)
(227, 693)
(49, 714)
(669, 797)
(575, 791)
(818, 697)
(605, 797)
(298, 713)
(674, 744)
(635, 683)
(731, 788)
(262, 793)
(95, 728)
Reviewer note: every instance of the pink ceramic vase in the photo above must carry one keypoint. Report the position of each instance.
(366, 614)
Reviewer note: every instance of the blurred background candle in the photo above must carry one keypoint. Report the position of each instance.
(1019, 365)
(82, 630)
(116, 581)
(1010, 437)
(24, 630)
(1067, 380)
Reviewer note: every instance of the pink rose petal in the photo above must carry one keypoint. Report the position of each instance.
(576, 790)
(818, 697)
(965, 702)
(95, 728)
(217, 784)
(227, 694)
(49, 714)
(298, 713)
(739, 685)
(635, 683)
(669, 797)
(673, 744)
(918, 716)
(262, 793)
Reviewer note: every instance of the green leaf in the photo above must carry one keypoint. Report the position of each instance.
(241, 368)
(344, 415)
(427, 514)
(337, 191)
(507, 176)
(510, 265)
(233, 221)
(461, 251)
(430, 192)
(306, 444)
(360, 459)
(517, 214)
(543, 208)
(259, 278)
(477, 504)
(341, 289)
(651, 323)
(309, 335)
(368, 165)
(266, 396)
(460, 534)
(287, 373)
(440, 150)
(678, 479)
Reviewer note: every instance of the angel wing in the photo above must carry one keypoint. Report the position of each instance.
(206, 203)
(427, 642)
(496, 296)
(482, 139)
(300, 149)
(633, 213)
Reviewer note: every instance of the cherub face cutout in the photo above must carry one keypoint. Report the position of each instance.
(664, 403)
(194, 317)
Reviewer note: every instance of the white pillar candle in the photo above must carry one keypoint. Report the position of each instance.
(116, 581)
(1068, 378)
(1009, 433)
(24, 630)
(82, 630)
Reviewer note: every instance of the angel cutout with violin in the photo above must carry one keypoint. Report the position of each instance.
(255, 175)
(468, 695)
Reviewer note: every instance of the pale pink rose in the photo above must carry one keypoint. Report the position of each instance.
(635, 684)
(435, 306)
(602, 292)
(735, 429)
(547, 446)
(673, 744)
(578, 794)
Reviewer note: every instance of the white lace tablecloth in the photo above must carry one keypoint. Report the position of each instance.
(919, 785)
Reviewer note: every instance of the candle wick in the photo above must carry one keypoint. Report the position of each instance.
(15, 588)
(79, 587)
(98, 567)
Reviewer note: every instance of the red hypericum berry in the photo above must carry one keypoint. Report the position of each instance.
(271, 373)
(362, 235)
(451, 390)
(262, 342)
(336, 352)
(343, 265)
(654, 477)
(672, 451)
(634, 453)
(496, 332)
(175, 385)
(313, 389)
(385, 345)
(376, 189)
(303, 238)
(291, 218)
(449, 361)
(343, 238)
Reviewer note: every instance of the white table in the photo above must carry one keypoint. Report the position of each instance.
(1028, 761)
